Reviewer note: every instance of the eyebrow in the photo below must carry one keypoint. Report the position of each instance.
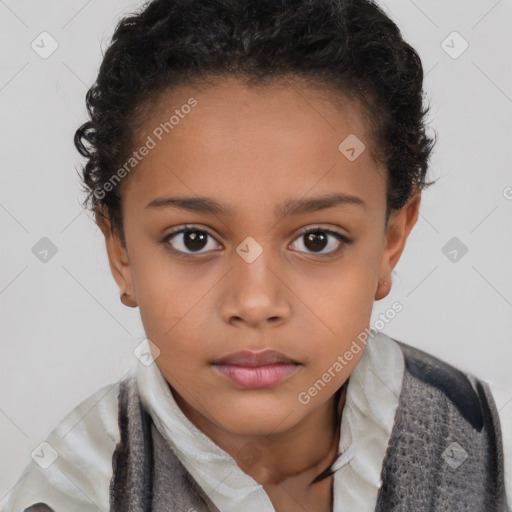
(290, 207)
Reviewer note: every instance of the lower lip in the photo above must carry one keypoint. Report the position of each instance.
(255, 377)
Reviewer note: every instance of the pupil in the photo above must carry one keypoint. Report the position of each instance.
(315, 240)
(194, 240)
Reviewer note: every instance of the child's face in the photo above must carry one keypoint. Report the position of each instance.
(252, 151)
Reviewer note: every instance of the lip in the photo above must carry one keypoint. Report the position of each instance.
(253, 359)
(256, 370)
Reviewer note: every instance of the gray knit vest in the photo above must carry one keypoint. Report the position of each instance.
(445, 452)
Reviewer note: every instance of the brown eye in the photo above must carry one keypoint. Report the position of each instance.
(190, 240)
(320, 241)
(315, 241)
(194, 240)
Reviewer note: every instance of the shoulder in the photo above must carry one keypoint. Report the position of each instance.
(72, 468)
(459, 387)
(503, 397)
(472, 397)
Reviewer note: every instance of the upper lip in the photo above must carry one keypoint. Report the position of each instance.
(249, 358)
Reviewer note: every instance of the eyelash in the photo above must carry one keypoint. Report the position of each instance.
(192, 227)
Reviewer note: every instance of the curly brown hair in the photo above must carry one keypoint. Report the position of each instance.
(350, 46)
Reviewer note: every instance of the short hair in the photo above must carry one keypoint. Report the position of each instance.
(350, 46)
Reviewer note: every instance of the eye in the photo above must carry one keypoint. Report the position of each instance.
(190, 240)
(316, 239)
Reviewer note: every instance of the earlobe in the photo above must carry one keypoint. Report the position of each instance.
(128, 300)
(118, 261)
(399, 226)
(383, 288)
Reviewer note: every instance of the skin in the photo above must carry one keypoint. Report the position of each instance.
(253, 149)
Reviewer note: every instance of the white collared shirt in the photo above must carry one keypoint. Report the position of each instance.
(79, 478)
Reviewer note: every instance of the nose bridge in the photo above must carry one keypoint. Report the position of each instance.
(253, 266)
(253, 292)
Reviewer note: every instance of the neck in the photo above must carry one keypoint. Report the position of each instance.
(307, 449)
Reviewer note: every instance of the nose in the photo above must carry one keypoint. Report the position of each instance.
(255, 294)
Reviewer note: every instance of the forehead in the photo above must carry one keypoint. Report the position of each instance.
(255, 144)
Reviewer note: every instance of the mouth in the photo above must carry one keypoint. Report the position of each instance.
(255, 370)
(253, 359)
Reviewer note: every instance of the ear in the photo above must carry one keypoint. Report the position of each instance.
(398, 228)
(118, 260)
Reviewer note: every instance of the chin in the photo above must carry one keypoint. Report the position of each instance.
(251, 429)
(257, 422)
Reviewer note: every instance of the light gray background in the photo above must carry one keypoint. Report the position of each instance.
(64, 332)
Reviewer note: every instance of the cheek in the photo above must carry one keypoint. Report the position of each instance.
(342, 304)
(343, 294)
(166, 291)
(175, 310)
